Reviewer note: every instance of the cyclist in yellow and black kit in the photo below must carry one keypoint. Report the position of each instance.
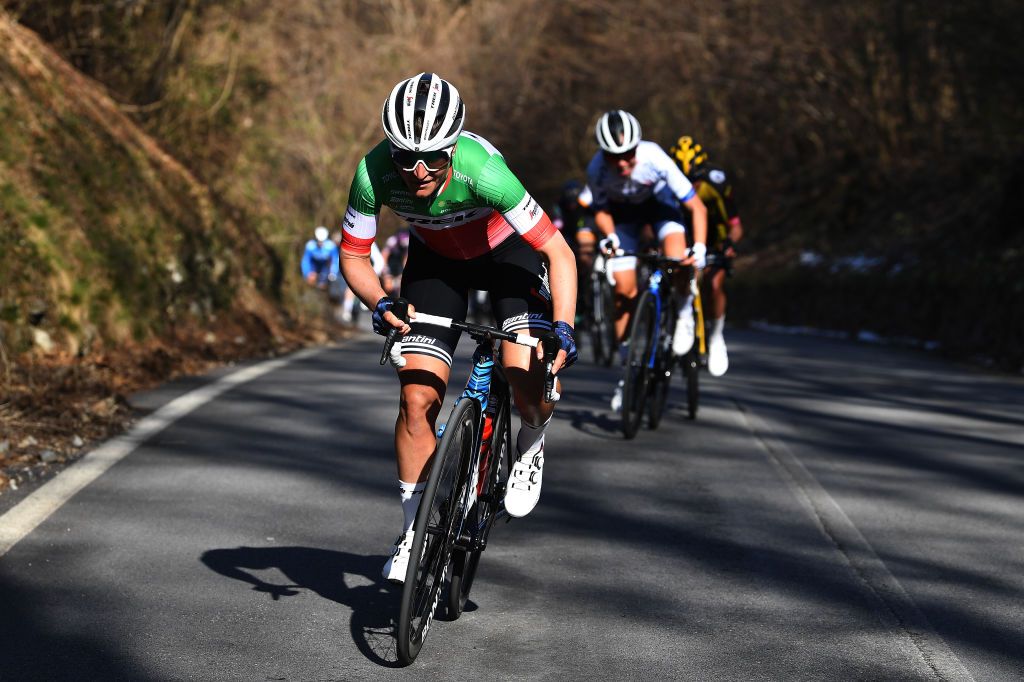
(714, 187)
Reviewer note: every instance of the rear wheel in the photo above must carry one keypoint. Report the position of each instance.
(637, 372)
(438, 523)
(602, 319)
(490, 491)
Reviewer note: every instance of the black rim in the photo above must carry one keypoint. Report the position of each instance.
(637, 373)
(662, 375)
(608, 326)
(490, 494)
(435, 531)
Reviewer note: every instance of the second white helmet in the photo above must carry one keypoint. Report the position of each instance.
(617, 131)
(423, 114)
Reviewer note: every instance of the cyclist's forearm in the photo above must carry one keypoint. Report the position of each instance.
(699, 212)
(360, 277)
(561, 278)
(735, 230)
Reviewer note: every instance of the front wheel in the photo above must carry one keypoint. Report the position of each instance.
(637, 372)
(691, 367)
(438, 523)
(661, 377)
(494, 470)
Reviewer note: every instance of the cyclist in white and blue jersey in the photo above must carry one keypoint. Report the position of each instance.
(635, 183)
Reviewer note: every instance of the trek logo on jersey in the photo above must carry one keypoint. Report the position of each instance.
(532, 209)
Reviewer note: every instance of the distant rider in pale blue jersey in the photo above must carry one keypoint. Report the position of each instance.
(320, 263)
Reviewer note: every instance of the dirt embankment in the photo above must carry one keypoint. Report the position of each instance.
(119, 268)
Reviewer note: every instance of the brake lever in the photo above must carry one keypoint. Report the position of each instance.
(400, 308)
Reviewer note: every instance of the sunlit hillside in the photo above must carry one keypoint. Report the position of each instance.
(865, 131)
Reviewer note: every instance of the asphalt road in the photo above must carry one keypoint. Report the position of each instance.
(837, 511)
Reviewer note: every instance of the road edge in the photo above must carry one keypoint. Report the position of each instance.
(27, 515)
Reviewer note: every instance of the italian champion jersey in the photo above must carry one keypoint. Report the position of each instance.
(477, 208)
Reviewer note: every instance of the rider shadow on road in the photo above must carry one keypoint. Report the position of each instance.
(374, 606)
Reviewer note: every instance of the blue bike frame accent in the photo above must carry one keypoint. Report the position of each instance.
(479, 385)
(654, 286)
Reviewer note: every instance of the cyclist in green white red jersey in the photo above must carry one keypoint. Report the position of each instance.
(473, 226)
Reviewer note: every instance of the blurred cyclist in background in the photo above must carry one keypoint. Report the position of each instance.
(395, 253)
(572, 216)
(635, 183)
(320, 262)
(725, 229)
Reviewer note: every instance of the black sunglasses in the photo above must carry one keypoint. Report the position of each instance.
(433, 161)
(621, 156)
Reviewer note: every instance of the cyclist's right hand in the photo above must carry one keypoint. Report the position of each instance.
(384, 320)
(610, 244)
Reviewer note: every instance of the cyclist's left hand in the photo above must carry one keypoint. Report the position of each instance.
(567, 355)
(698, 255)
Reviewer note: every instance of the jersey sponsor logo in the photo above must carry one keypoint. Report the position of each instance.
(389, 176)
(532, 209)
(717, 176)
(452, 220)
(517, 320)
(462, 177)
(420, 338)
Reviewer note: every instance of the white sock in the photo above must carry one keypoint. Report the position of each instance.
(687, 307)
(717, 325)
(410, 494)
(529, 438)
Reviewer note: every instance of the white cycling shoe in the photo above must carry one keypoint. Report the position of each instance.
(718, 357)
(398, 562)
(682, 339)
(524, 483)
(617, 397)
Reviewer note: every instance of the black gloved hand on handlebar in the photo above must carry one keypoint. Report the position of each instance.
(380, 325)
(567, 340)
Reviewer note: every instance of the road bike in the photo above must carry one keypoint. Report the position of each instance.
(465, 491)
(649, 361)
(598, 304)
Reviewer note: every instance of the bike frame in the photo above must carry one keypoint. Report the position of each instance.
(478, 389)
(654, 286)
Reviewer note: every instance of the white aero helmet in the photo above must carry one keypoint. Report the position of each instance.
(321, 234)
(423, 114)
(617, 131)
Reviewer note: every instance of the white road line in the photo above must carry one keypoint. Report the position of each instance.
(23, 518)
(898, 612)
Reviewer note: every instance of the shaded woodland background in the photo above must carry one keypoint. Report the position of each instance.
(883, 138)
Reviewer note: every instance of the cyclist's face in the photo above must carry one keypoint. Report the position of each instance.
(426, 174)
(623, 163)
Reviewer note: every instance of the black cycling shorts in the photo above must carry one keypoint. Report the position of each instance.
(512, 273)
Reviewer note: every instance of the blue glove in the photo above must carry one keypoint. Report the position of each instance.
(380, 325)
(567, 337)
